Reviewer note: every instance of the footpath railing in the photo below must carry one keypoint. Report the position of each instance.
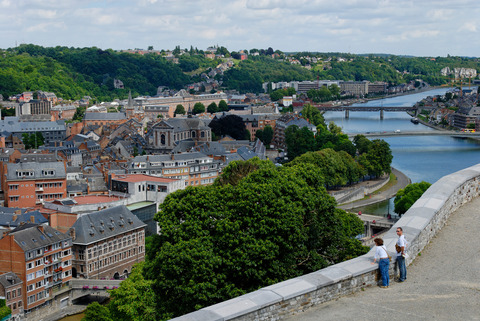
(420, 224)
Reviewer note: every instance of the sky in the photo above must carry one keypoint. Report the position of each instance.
(400, 27)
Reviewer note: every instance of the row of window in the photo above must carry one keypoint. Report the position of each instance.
(35, 297)
(112, 246)
(113, 259)
(13, 306)
(14, 293)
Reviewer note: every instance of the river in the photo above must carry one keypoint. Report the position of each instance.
(421, 158)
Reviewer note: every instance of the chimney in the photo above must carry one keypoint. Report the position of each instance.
(14, 218)
(32, 219)
(173, 156)
(41, 228)
(72, 234)
(18, 212)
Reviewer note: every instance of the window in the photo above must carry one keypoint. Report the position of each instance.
(30, 276)
(38, 262)
(30, 287)
(29, 265)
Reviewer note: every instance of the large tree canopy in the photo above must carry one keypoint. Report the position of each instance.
(218, 242)
(231, 125)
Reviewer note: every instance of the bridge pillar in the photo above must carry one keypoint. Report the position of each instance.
(347, 113)
(381, 113)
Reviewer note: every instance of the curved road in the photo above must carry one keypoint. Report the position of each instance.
(402, 181)
(443, 282)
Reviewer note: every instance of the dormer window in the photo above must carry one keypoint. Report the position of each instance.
(48, 172)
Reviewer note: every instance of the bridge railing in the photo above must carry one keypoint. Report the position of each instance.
(420, 224)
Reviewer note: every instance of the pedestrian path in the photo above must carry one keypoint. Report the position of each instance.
(443, 283)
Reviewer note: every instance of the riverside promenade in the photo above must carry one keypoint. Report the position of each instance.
(443, 283)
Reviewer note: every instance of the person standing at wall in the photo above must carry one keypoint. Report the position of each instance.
(401, 246)
(383, 262)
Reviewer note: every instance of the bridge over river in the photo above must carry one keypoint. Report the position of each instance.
(452, 133)
(381, 109)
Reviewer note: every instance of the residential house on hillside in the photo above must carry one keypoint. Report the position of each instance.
(107, 243)
(41, 257)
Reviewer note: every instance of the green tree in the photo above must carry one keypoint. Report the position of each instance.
(222, 105)
(267, 135)
(379, 158)
(212, 108)
(97, 312)
(134, 300)
(298, 141)
(313, 115)
(407, 196)
(32, 140)
(231, 125)
(274, 224)
(198, 108)
(79, 114)
(180, 110)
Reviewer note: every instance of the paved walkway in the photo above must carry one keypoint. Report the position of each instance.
(402, 181)
(442, 284)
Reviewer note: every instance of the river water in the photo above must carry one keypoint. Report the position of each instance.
(421, 158)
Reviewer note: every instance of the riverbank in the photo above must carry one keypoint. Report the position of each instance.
(385, 192)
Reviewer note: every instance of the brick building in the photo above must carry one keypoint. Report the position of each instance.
(107, 243)
(41, 257)
(31, 183)
(11, 291)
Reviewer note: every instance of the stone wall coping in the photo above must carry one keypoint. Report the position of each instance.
(420, 223)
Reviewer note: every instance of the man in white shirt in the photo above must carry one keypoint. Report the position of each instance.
(401, 246)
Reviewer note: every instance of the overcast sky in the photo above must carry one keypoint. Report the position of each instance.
(419, 28)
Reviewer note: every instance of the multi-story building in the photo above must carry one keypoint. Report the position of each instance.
(377, 87)
(107, 243)
(52, 132)
(145, 193)
(63, 112)
(181, 98)
(30, 183)
(41, 257)
(355, 88)
(165, 135)
(195, 168)
(11, 288)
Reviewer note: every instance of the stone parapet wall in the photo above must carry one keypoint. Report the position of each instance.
(420, 224)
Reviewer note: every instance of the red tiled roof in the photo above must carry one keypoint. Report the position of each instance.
(93, 199)
(134, 178)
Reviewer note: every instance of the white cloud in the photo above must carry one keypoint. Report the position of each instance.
(390, 26)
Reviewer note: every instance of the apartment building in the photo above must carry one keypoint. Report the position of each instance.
(194, 168)
(27, 184)
(107, 243)
(41, 257)
(355, 88)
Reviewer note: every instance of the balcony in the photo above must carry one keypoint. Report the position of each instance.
(38, 189)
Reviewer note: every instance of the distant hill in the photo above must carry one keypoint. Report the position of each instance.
(72, 73)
